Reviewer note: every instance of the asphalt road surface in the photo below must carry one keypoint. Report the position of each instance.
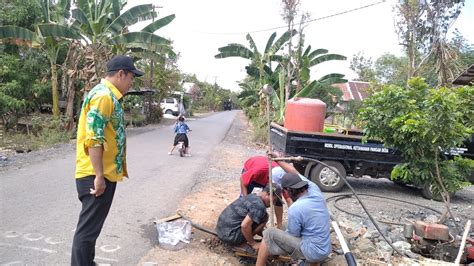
(39, 206)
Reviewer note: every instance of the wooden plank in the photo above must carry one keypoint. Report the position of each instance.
(254, 256)
(167, 219)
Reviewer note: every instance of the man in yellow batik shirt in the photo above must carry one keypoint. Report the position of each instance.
(101, 148)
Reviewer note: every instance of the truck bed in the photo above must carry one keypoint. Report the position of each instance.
(331, 146)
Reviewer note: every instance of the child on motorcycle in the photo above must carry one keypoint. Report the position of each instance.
(181, 129)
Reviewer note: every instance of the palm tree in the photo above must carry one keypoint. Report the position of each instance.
(49, 35)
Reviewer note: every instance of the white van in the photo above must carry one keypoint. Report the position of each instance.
(170, 106)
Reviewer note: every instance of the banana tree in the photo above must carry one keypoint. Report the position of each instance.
(320, 88)
(48, 36)
(259, 63)
(105, 28)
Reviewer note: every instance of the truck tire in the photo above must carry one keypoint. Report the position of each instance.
(168, 112)
(326, 179)
(428, 193)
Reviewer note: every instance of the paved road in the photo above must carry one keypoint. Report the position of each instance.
(39, 206)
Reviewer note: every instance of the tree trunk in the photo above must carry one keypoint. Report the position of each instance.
(54, 89)
(444, 192)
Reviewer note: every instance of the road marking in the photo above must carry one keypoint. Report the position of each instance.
(28, 247)
(12, 234)
(33, 236)
(109, 248)
(49, 241)
(18, 262)
(107, 259)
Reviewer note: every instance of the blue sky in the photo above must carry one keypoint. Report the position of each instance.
(201, 27)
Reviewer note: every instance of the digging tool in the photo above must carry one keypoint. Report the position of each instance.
(197, 226)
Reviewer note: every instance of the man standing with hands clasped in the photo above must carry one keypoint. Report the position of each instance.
(101, 148)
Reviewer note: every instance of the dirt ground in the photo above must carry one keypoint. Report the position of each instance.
(218, 186)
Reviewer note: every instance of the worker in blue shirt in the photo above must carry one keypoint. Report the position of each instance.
(307, 235)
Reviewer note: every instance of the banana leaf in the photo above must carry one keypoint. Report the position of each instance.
(317, 52)
(234, 50)
(57, 31)
(270, 42)
(139, 37)
(326, 57)
(130, 17)
(282, 40)
(160, 23)
(15, 32)
(252, 44)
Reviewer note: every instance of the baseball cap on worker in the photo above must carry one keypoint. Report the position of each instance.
(292, 180)
(123, 62)
(277, 173)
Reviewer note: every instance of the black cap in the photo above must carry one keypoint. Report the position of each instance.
(292, 180)
(123, 62)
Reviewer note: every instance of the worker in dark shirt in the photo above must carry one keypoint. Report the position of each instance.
(246, 217)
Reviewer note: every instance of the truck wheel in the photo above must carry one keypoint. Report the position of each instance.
(326, 179)
(428, 193)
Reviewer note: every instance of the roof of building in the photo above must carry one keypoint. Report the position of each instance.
(353, 90)
(140, 91)
(466, 77)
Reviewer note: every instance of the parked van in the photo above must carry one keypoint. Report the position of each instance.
(170, 106)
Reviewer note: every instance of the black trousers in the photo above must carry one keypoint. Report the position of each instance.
(91, 219)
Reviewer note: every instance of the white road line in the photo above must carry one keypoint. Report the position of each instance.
(106, 259)
(28, 247)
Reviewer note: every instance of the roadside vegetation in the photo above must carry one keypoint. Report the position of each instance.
(411, 105)
(53, 52)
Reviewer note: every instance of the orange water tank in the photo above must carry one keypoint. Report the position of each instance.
(305, 114)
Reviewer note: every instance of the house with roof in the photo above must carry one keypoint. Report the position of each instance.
(351, 91)
(465, 78)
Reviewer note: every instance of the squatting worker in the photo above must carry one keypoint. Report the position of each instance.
(307, 235)
(101, 148)
(246, 217)
(255, 174)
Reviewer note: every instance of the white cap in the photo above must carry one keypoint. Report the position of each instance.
(277, 174)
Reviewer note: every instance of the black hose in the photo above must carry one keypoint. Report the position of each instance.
(345, 196)
(361, 203)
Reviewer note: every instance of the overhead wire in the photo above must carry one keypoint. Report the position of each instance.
(306, 22)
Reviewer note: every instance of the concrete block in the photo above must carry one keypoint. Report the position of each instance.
(432, 231)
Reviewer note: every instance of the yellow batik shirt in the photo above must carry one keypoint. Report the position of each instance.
(102, 123)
